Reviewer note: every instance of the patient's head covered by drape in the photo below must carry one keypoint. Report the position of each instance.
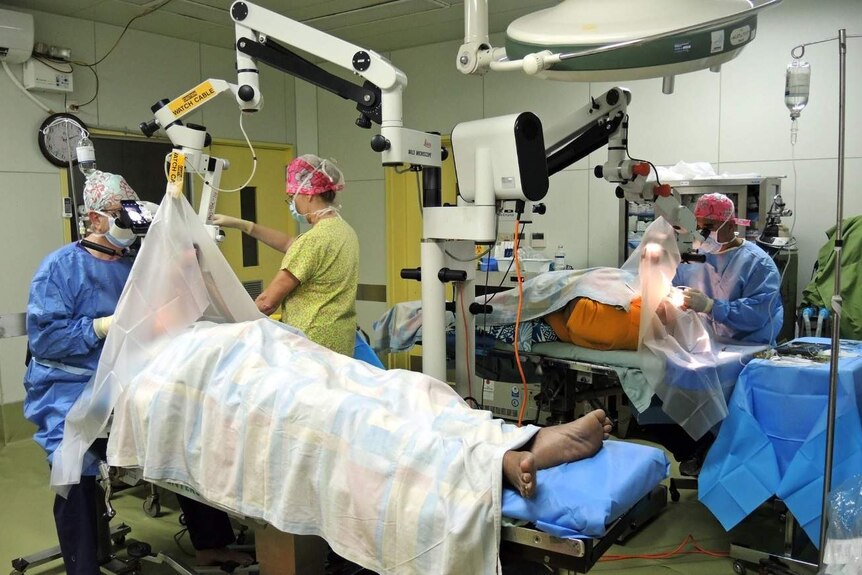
(179, 278)
(680, 357)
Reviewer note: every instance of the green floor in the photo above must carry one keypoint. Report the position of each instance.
(28, 526)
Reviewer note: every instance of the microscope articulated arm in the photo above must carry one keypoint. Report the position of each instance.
(379, 100)
(191, 139)
(605, 121)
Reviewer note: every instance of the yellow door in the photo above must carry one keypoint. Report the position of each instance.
(268, 206)
(404, 235)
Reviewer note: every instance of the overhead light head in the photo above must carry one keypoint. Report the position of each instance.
(611, 40)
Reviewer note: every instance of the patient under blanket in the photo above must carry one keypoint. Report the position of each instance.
(389, 466)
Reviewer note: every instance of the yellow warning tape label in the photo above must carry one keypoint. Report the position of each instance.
(176, 173)
(192, 99)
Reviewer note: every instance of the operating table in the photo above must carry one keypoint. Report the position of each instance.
(521, 544)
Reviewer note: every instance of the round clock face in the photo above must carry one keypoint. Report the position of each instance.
(59, 136)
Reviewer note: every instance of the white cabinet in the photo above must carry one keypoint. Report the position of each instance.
(752, 197)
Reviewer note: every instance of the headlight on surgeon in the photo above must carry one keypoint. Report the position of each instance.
(116, 216)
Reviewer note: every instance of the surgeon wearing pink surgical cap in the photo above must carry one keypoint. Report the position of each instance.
(737, 286)
(315, 289)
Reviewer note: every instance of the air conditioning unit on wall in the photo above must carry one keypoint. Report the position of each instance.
(16, 36)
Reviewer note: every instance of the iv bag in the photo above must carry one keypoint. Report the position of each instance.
(796, 87)
(86, 156)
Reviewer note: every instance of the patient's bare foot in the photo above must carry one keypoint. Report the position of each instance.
(572, 441)
(211, 557)
(519, 469)
(607, 427)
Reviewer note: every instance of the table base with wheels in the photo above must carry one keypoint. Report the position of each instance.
(747, 559)
(677, 483)
(22, 564)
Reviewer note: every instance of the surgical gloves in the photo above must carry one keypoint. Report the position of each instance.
(697, 300)
(230, 222)
(101, 325)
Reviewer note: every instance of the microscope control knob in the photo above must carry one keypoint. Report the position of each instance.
(379, 143)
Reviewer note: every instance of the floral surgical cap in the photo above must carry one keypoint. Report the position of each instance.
(310, 175)
(718, 208)
(103, 190)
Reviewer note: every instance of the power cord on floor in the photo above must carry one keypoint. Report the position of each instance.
(178, 537)
(680, 550)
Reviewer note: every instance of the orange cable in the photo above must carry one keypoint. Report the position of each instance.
(680, 550)
(523, 408)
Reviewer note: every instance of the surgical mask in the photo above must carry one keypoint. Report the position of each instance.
(117, 236)
(710, 244)
(303, 219)
(319, 213)
(295, 213)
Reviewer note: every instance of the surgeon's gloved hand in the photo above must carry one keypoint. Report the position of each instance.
(231, 222)
(697, 300)
(101, 325)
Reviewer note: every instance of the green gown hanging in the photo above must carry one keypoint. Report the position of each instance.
(819, 291)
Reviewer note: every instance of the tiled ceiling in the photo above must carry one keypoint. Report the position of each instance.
(381, 25)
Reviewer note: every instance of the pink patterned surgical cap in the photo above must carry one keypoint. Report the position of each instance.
(104, 189)
(310, 175)
(718, 208)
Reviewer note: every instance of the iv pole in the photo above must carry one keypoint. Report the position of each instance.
(836, 302)
(836, 297)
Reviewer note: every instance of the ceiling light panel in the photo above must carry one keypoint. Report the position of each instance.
(372, 14)
(198, 11)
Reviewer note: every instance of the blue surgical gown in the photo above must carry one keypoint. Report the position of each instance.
(69, 290)
(744, 284)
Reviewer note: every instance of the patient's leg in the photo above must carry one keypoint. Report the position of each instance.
(571, 441)
(211, 533)
(519, 469)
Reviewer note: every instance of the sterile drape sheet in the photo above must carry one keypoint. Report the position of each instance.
(390, 467)
(774, 439)
(178, 278)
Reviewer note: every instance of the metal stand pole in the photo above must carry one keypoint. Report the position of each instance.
(836, 296)
(72, 194)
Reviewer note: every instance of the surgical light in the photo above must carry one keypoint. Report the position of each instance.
(611, 40)
(676, 297)
(653, 250)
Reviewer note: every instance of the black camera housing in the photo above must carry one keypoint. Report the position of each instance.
(132, 217)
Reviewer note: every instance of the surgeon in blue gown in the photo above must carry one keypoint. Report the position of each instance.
(72, 300)
(737, 289)
(738, 285)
